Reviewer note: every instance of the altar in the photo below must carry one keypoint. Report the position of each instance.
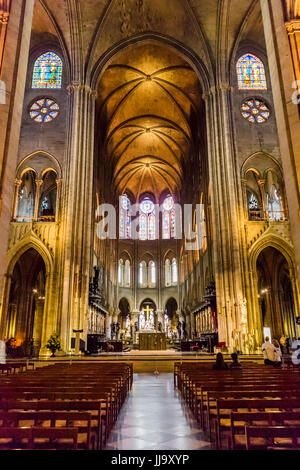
(152, 341)
(149, 336)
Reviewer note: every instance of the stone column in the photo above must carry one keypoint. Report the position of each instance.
(77, 215)
(229, 240)
(263, 197)
(4, 16)
(192, 325)
(58, 208)
(38, 323)
(245, 199)
(38, 184)
(160, 318)
(282, 34)
(13, 74)
(188, 325)
(135, 318)
(16, 198)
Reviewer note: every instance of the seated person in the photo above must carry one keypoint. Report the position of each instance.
(220, 364)
(110, 347)
(235, 362)
(277, 353)
(268, 350)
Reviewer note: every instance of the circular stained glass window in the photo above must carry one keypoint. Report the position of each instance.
(147, 206)
(44, 110)
(125, 202)
(168, 203)
(255, 111)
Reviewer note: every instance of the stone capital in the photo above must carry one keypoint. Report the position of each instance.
(293, 26)
(79, 86)
(4, 15)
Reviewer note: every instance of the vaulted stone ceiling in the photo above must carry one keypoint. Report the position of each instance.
(149, 99)
(88, 28)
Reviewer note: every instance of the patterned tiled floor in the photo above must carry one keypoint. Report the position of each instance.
(154, 417)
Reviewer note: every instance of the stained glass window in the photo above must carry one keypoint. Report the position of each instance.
(143, 227)
(151, 227)
(120, 272)
(143, 273)
(147, 220)
(44, 110)
(251, 73)
(174, 271)
(253, 203)
(152, 273)
(168, 218)
(255, 111)
(47, 71)
(124, 217)
(168, 273)
(274, 205)
(127, 273)
(166, 224)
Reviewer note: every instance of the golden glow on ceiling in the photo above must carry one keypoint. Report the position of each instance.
(148, 97)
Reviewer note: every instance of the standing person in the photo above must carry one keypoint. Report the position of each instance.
(2, 352)
(282, 342)
(268, 350)
(277, 353)
(220, 364)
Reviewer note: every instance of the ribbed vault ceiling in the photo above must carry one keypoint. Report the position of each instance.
(149, 98)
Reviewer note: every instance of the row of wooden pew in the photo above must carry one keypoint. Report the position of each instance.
(256, 407)
(15, 367)
(62, 406)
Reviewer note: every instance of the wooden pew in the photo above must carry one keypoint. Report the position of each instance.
(259, 437)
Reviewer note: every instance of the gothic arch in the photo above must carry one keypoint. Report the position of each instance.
(21, 247)
(287, 252)
(258, 162)
(273, 241)
(206, 79)
(34, 161)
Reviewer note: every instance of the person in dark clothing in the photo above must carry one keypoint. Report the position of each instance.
(287, 345)
(220, 364)
(235, 362)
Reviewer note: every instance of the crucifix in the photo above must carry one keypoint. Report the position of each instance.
(147, 310)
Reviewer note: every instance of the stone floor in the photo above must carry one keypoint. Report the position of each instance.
(155, 418)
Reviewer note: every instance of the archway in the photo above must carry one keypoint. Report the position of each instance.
(275, 293)
(124, 317)
(171, 317)
(26, 304)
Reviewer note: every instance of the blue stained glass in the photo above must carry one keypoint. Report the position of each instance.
(122, 224)
(47, 71)
(251, 73)
(168, 218)
(166, 225)
(151, 227)
(143, 227)
(124, 218)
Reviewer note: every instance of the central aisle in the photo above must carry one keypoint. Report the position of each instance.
(154, 417)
